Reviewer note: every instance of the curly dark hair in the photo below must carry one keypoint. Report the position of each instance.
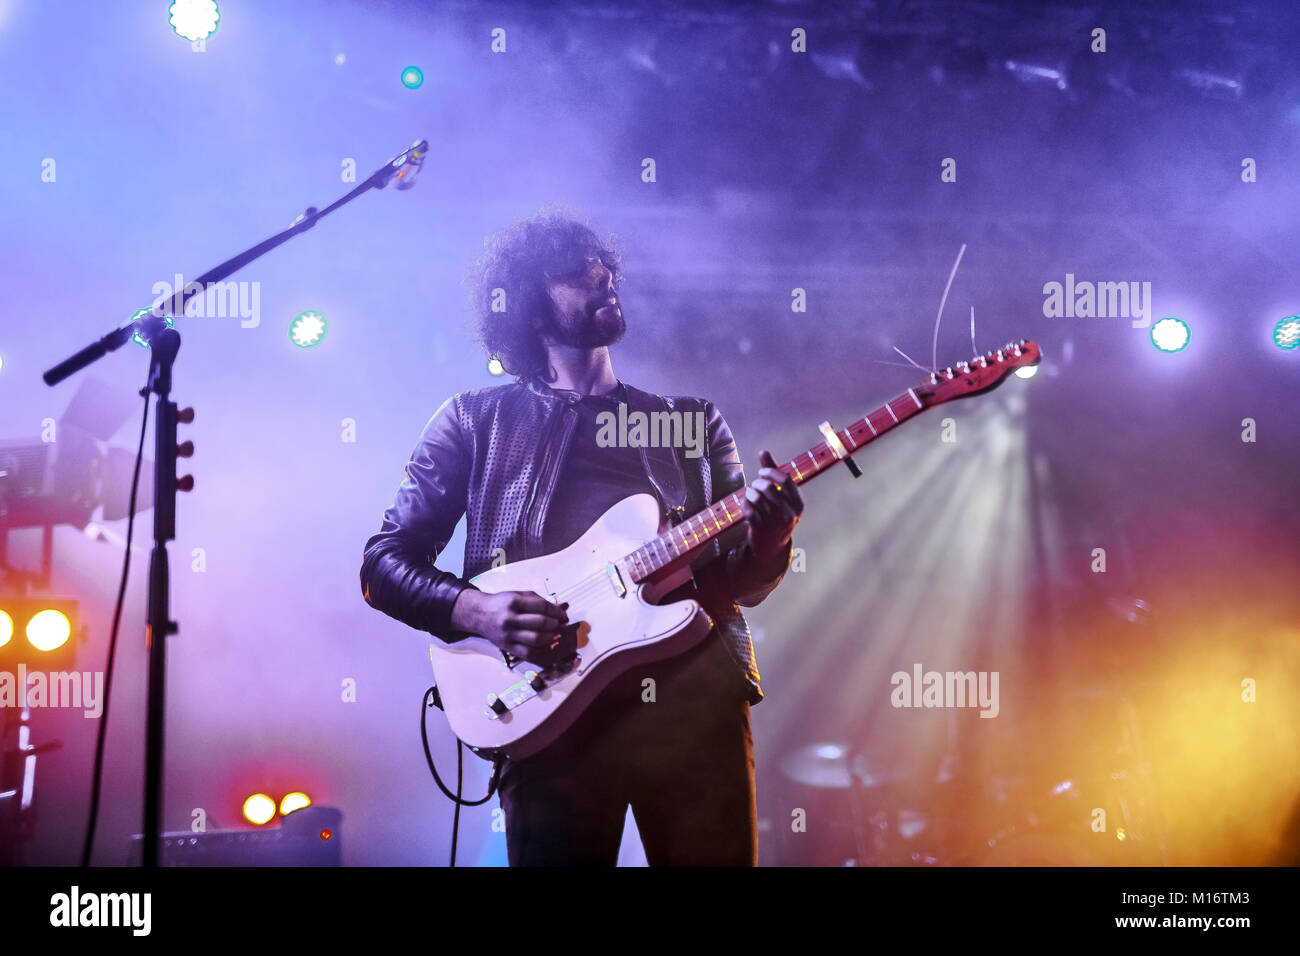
(517, 261)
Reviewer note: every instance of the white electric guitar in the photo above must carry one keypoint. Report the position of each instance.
(614, 575)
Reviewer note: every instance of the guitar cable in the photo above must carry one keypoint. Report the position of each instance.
(431, 699)
(97, 774)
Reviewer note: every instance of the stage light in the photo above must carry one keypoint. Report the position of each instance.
(495, 367)
(412, 78)
(193, 20)
(294, 801)
(259, 809)
(136, 337)
(307, 329)
(1170, 335)
(2, 361)
(1027, 371)
(1033, 73)
(1287, 333)
(48, 630)
(49, 624)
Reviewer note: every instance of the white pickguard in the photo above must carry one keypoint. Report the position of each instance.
(620, 631)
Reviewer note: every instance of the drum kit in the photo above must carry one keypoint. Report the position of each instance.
(1073, 809)
(1064, 780)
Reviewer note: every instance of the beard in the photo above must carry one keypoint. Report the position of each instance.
(594, 327)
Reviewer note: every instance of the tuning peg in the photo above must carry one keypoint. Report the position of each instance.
(185, 449)
(185, 483)
(185, 415)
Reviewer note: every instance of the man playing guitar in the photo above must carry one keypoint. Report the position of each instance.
(522, 462)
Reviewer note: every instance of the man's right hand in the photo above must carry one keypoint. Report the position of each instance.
(522, 623)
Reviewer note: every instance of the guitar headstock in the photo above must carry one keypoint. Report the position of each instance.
(979, 374)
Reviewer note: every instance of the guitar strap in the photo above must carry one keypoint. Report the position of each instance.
(662, 465)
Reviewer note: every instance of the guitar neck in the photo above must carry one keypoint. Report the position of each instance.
(687, 536)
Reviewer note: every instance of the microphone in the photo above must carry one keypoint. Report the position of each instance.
(405, 167)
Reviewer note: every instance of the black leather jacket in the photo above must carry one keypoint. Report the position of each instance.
(494, 454)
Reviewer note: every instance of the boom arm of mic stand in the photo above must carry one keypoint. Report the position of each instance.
(411, 157)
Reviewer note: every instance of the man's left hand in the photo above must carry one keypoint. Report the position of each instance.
(772, 506)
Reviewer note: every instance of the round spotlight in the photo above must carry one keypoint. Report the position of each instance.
(1027, 371)
(412, 77)
(1170, 335)
(136, 337)
(495, 367)
(307, 329)
(48, 630)
(1286, 335)
(293, 801)
(6, 628)
(194, 20)
(259, 809)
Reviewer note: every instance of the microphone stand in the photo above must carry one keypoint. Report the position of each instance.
(154, 327)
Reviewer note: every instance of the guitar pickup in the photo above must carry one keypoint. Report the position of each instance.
(498, 705)
(532, 684)
(616, 579)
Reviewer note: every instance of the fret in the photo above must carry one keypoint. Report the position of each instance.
(689, 534)
(697, 529)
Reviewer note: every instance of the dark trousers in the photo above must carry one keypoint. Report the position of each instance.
(684, 763)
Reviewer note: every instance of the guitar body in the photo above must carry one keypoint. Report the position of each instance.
(617, 625)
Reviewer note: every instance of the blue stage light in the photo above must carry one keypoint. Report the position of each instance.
(1287, 333)
(412, 77)
(136, 337)
(1170, 335)
(307, 329)
(194, 19)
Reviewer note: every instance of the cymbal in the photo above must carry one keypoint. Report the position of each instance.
(827, 765)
